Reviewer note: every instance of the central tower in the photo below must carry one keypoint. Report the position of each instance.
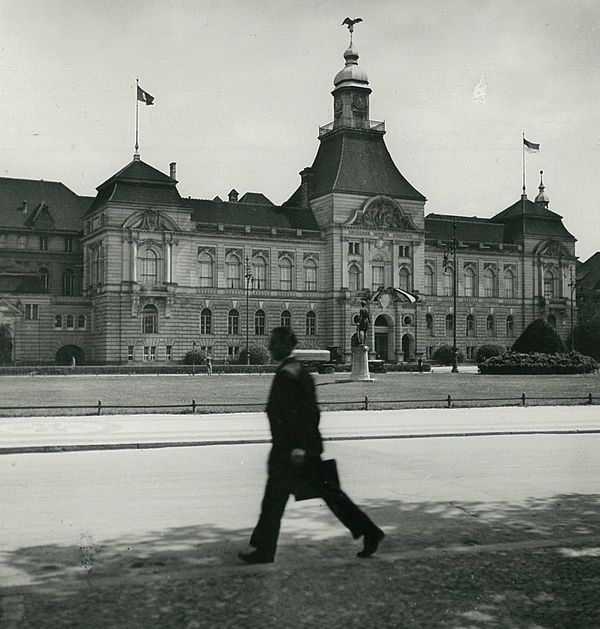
(351, 94)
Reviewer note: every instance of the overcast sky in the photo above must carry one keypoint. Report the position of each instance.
(241, 87)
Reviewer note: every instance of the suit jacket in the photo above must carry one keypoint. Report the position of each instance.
(293, 411)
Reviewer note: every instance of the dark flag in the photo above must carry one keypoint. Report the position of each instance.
(144, 96)
(532, 147)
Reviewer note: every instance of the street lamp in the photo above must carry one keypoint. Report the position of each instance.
(248, 283)
(572, 285)
(451, 249)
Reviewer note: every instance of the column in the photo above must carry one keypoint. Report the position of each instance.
(133, 261)
(168, 262)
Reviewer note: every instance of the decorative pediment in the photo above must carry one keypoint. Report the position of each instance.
(382, 213)
(262, 253)
(286, 254)
(552, 249)
(311, 256)
(234, 252)
(150, 220)
(8, 310)
(211, 251)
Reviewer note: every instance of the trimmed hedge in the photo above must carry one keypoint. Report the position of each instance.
(537, 363)
(487, 351)
(444, 355)
(539, 336)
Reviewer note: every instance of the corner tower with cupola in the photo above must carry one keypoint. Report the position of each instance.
(372, 219)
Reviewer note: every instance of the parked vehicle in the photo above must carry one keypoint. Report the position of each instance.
(315, 359)
(377, 366)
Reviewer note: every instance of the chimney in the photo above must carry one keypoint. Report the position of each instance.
(24, 207)
(173, 170)
(233, 196)
(306, 186)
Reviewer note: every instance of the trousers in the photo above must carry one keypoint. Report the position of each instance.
(280, 484)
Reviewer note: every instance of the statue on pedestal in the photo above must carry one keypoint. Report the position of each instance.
(363, 322)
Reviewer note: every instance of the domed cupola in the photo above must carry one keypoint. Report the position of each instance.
(351, 74)
(542, 198)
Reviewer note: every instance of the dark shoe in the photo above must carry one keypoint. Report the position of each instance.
(254, 557)
(372, 540)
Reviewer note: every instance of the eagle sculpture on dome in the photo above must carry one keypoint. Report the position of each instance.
(350, 23)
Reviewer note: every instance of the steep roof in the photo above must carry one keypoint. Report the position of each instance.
(257, 198)
(440, 227)
(252, 214)
(63, 207)
(138, 182)
(357, 161)
(536, 219)
(588, 274)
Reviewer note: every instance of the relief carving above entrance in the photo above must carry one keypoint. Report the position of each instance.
(382, 213)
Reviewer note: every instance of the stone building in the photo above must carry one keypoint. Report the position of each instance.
(139, 273)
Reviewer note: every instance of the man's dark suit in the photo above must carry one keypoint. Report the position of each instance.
(294, 419)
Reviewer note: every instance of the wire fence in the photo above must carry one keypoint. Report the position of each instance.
(365, 403)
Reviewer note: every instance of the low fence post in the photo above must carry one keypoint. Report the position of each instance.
(590, 398)
(449, 400)
(523, 399)
(99, 407)
(193, 406)
(366, 403)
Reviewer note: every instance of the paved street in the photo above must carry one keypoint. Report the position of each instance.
(486, 531)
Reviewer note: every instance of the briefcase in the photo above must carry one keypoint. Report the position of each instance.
(313, 476)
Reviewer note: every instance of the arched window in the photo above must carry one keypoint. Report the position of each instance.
(490, 324)
(510, 326)
(286, 319)
(70, 322)
(354, 278)
(378, 271)
(552, 321)
(259, 273)
(404, 279)
(148, 267)
(489, 282)
(68, 282)
(449, 324)
(206, 321)
(429, 280)
(205, 270)
(233, 322)
(471, 329)
(448, 281)
(285, 274)
(150, 319)
(45, 278)
(429, 324)
(58, 321)
(510, 288)
(310, 275)
(260, 323)
(81, 322)
(549, 284)
(234, 271)
(469, 282)
(311, 323)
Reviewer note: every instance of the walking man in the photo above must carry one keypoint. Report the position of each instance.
(208, 361)
(296, 448)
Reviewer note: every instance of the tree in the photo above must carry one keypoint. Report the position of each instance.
(485, 351)
(587, 337)
(540, 337)
(194, 357)
(444, 354)
(259, 355)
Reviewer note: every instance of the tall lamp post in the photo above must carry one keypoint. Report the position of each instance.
(572, 286)
(451, 250)
(248, 284)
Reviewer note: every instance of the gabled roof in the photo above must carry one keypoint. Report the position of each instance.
(356, 161)
(138, 182)
(252, 214)
(588, 274)
(441, 227)
(525, 207)
(257, 198)
(63, 205)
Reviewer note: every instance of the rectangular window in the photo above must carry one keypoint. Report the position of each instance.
(429, 352)
(32, 312)
(149, 352)
(353, 248)
(130, 352)
(169, 352)
(471, 353)
(21, 242)
(378, 277)
(285, 277)
(310, 282)
(43, 243)
(404, 251)
(68, 244)
(233, 353)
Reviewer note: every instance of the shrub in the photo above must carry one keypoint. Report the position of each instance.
(539, 337)
(194, 357)
(536, 363)
(259, 355)
(587, 338)
(444, 355)
(486, 351)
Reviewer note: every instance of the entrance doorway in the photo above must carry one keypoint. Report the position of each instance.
(381, 338)
(408, 347)
(6, 345)
(66, 353)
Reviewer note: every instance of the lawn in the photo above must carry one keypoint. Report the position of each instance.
(249, 392)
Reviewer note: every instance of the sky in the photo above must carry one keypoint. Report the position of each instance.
(241, 87)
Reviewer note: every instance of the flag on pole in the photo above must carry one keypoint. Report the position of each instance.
(144, 96)
(531, 147)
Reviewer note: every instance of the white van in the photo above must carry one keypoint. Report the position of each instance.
(315, 359)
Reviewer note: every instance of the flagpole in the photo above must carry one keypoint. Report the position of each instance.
(523, 145)
(137, 105)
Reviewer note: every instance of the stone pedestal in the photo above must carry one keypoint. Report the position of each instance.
(360, 363)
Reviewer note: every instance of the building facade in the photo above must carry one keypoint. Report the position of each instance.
(139, 273)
